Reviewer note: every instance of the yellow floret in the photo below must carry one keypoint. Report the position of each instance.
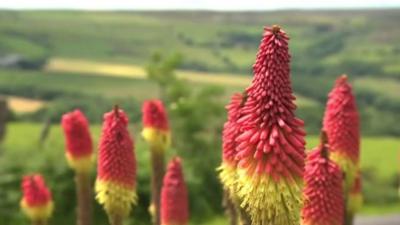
(82, 164)
(116, 199)
(38, 213)
(157, 138)
(347, 166)
(228, 178)
(269, 202)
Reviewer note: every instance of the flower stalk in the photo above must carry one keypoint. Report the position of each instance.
(323, 192)
(36, 202)
(79, 153)
(116, 170)
(342, 124)
(156, 133)
(270, 147)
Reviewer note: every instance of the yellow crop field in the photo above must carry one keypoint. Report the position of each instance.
(95, 68)
(122, 70)
(23, 105)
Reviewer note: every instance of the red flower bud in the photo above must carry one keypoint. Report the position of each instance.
(116, 179)
(155, 115)
(174, 197)
(79, 146)
(36, 200)
(341, 122)
(230, 132)
(323, 192)
(156, 129)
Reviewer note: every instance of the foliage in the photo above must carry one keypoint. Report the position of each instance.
(196, 118)
(49, 160)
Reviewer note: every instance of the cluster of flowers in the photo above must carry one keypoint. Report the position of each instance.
(115, 185)
(265, 169)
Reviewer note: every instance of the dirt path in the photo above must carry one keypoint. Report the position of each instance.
(378, 220)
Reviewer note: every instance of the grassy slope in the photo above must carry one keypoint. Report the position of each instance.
(323, 43)
(114, 36)
(210, 41)
(109, 85)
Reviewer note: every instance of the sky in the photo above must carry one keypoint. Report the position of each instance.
(196, 4)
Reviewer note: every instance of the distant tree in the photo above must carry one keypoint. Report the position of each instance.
(161, 70)
(196, 116)
(3, 117)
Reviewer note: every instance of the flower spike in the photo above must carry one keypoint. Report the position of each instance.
(156, 133)
(156, 129)
(323, 192)
(227, 170)
(79, 146)
(36, 201)
(174, 199)
(271, 146)
(116, 179)
(341, 122)
(79, 154)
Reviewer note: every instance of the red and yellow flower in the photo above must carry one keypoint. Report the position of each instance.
(271, 146)
(79, 146)
(116, 178)
(323, 192)
(341, 122)
(36, 201)
(227, 170)
(174, 197)
(156, 129)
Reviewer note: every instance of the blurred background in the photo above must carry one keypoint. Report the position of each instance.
(59, 55)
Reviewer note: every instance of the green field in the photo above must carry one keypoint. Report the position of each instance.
(378, 153)
(361, 43)
(21, 150)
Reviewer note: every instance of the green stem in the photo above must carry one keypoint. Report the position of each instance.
(230, 209)
(116, 220)
(158, 170)
(84, 198)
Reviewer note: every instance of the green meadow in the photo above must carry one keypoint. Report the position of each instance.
(22, 153)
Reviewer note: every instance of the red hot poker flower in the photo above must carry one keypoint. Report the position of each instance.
(156, 129)
(174, 199)
(116, 179)
(37, 201)
(271, 146)
(79, 146)
(230, 132)
(323, 192)
(341, 122)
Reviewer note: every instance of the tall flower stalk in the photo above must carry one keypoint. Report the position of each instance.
(116, 171)
(323, 192)
(36, 201)
(79, 153)
(156, 133)
(174, 196)
(271, 146)
(341, 122)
